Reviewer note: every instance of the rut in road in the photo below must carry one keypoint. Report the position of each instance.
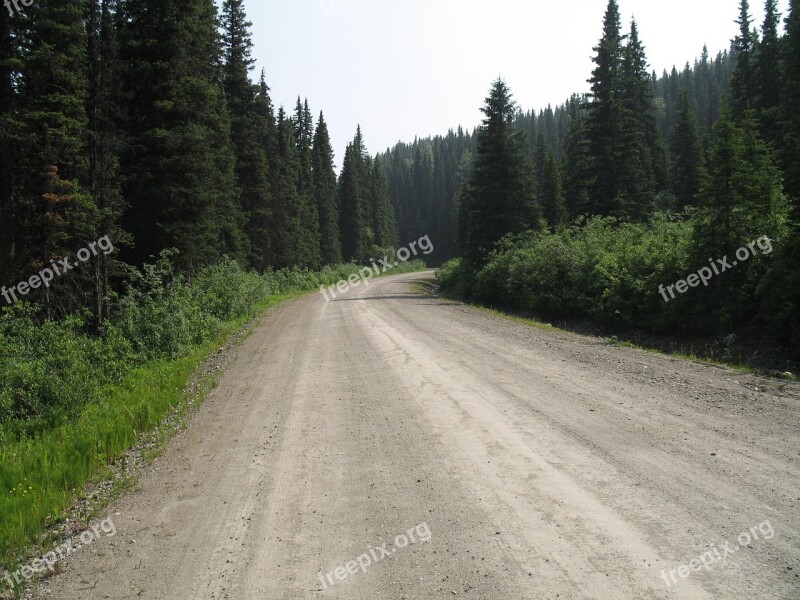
(524, 463)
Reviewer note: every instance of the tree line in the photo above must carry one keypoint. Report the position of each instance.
(138, 119)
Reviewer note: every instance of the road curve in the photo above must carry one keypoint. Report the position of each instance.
(391, 445)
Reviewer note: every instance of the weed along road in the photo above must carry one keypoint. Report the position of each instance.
(386, 444)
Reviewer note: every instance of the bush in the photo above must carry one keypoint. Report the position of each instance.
(49, 372)
(602, 270)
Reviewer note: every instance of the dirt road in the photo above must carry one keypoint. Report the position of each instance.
(465, 456)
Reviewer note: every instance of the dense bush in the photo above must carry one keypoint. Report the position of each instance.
(50, 371)
(610, 273)
(53, 367)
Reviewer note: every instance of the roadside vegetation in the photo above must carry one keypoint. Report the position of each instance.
(613, 212)
(72, 401)
(610, 272)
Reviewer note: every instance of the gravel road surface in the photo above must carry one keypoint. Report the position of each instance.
(388, 445)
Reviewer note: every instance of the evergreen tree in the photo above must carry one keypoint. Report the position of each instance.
(500, 197)
(287, 238)
(383, 223)
(247, 124)
(181, 185)
(540, 155)
(53, 212)
(688, 172)
(742, 198)
(741, 201)
(743, 84)
(104, 143)
(324, 175)
(768, 76)
(551, 195)
(605, 118)
(642, 157)
(260, 219)
(353, 194)
(790, 152)
(575, 162)
(309, 242)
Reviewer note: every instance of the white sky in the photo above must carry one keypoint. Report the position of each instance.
(406, 68)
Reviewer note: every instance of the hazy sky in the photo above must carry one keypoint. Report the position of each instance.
(406, 68)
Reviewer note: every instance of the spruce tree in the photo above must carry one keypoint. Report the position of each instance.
(260, 220)
(105, 140)
(324, 175)
(181, 183)
(642, 158)
(605, 118)
(790, 100)
(286, 218)
(540, 155)
(741, 201)
(688, 174)
(551, 195)
(500, 197)
(742, 198)
(768, 76)
(309, 242)
(53, 211)
(248, 121)
(743, 83)
(383, 223)
(575, 162)
(353, 196)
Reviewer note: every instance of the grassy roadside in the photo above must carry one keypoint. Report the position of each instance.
(42, 474)
(509, 315)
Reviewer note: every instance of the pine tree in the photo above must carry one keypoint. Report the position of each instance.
(790, 152)
(540, 155)
(260, 220)
(575, 162)
(688, 174)
(741, 201)
(383, 223)
(642, 157)
(605, 116)
(323, 172)
(353, 194)
(768, 76)
(309, 242)
(500, 198)
(551, 195)
(104, 144)
(248, 121)
(287, 238)
(181, 184)
(53, 212)
(743, 84)
(742, 198)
